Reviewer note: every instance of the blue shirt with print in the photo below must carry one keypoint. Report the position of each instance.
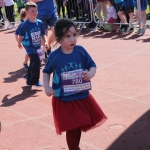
(59, 62)
(128, 3)
(32, 32)
(46, 7)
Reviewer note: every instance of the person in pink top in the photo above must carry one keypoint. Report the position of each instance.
(112, 17)
(112, 14)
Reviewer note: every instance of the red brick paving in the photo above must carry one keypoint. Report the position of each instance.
(121, 87)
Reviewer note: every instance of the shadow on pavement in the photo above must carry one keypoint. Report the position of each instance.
(27, 92)
(14, 76)
(136, 137)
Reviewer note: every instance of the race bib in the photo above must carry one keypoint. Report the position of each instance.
(72, 82)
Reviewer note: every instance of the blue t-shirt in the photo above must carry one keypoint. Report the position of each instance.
(32, 32)
(128, 3)
(59, 62)
(46, 7)
(18, 29)
(118, 1)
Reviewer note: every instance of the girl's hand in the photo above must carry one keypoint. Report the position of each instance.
(49, 91)
(87, 75)
(20, 45)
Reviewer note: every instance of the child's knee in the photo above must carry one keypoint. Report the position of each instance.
(119, 13)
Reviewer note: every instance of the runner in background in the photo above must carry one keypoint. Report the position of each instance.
(126, 8)
(31, 32)
(118, 4)
(23, 17)
(76, 111)
(141, 22)
(48, 14)
(9, 9)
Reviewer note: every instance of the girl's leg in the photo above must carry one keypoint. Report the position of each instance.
(73, 138)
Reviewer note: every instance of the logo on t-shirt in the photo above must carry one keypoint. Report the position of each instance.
(36, 37)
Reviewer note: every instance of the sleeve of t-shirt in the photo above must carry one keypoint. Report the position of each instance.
(88, 60)
(22, 30)
(18, 29)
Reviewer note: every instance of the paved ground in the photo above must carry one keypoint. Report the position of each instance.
(121, 87)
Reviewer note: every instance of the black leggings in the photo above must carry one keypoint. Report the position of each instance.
(33, 73)
(10, 13)
(73, 138)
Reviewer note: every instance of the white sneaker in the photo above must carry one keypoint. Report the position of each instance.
(10, 26)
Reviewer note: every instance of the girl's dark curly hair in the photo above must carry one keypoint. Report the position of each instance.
(112, 2)
(61, 27)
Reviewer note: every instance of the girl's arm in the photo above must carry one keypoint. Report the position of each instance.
(88, 74)
(16, 37)
(19, 41)
(46, 80)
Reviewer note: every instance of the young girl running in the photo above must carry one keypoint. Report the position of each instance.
(74, 109)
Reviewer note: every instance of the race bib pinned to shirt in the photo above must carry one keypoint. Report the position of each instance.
(72, 82)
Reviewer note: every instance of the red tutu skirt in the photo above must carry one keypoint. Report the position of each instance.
(84, 114)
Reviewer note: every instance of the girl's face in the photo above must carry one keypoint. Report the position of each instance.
(69, 40)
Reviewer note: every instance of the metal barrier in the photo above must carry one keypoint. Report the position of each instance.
(140, 20)
(80, 11)
(77, 11)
